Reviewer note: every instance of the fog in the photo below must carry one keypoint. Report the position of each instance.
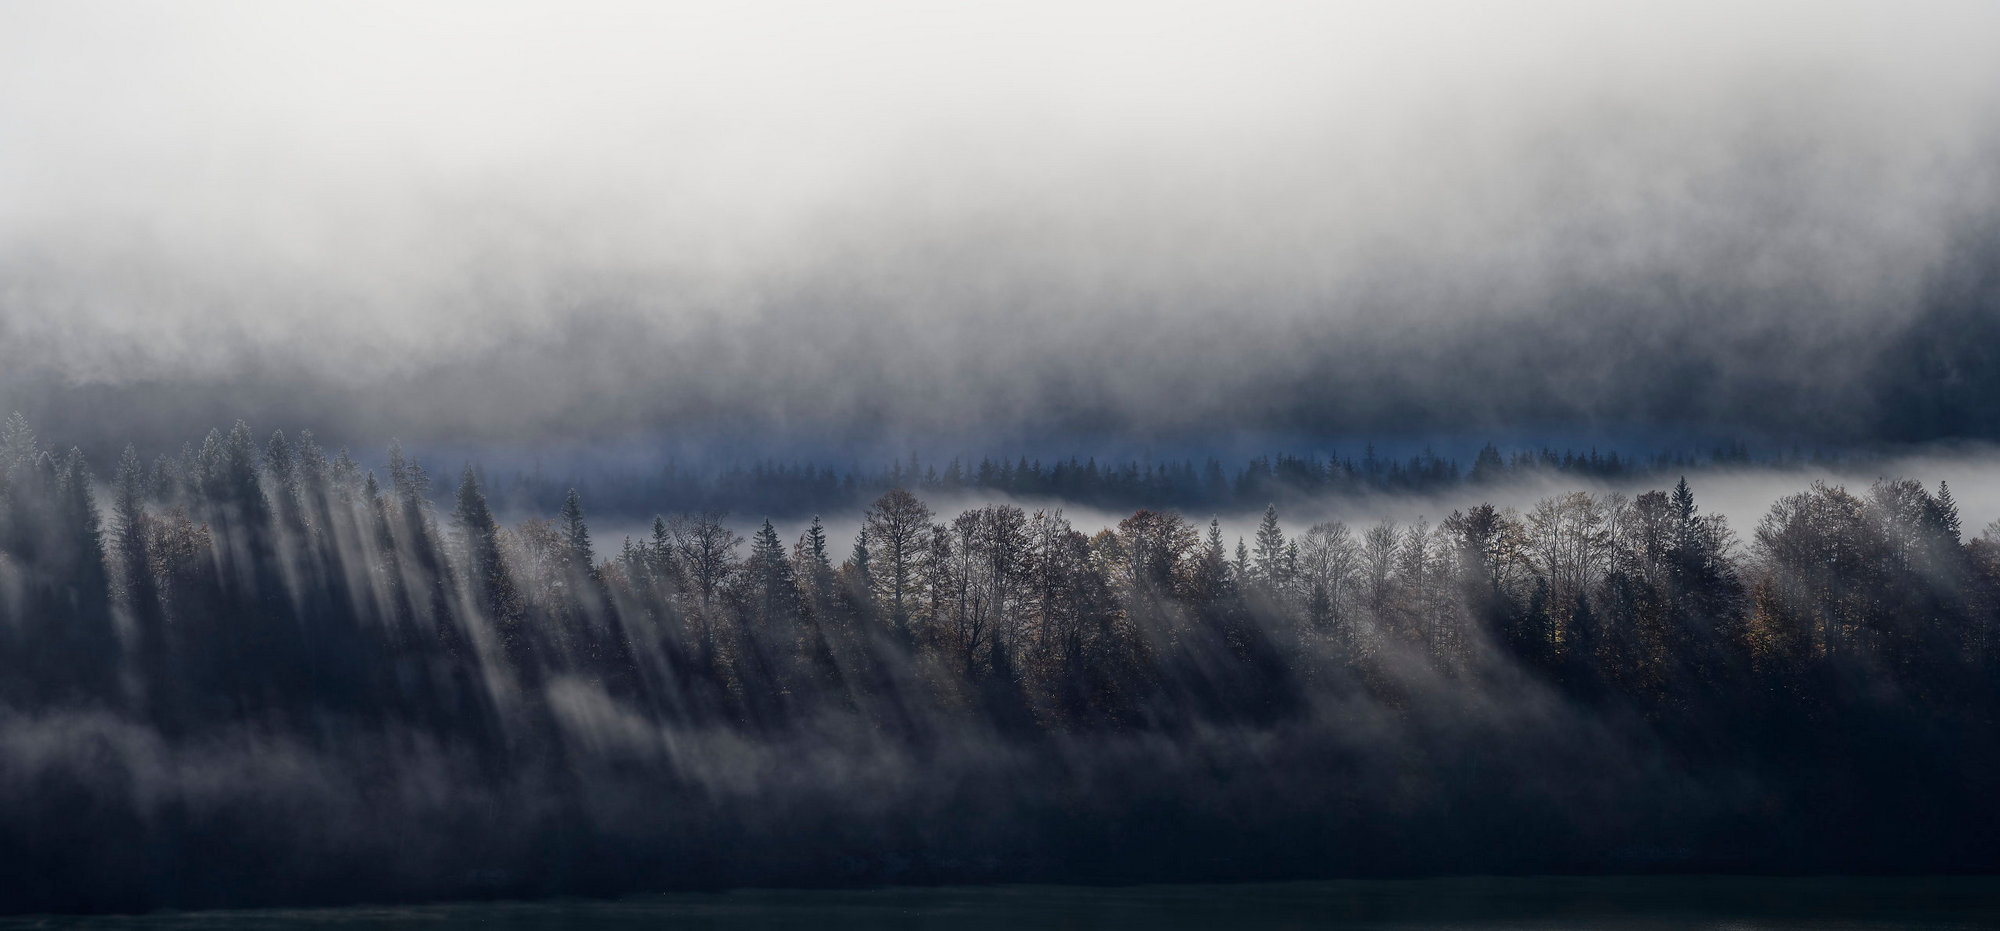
(675, 255)
(770, 227)
(1742, 495)
(259, 677)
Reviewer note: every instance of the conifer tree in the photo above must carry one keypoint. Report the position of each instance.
(660, 552)
(770, 572)
(18, 448)
(859, 558)
(1949, 523)
(1486, 467)
(1212, 567)
(857, 576)
(576, 537)
(128, 522)
(80, 523)
(815, 542)
(492, 585)
(1269, 567)
(1682, 503)
(815, 567)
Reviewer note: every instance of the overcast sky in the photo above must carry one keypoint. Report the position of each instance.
(944, 223)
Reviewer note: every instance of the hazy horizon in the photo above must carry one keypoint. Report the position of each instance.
(531, 273)
(894, 226)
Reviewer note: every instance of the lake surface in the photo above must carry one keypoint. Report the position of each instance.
(1733, 903)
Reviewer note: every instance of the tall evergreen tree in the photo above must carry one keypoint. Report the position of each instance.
(1682, 503)
(1212, 565)
(578, 556)
(1486, 467)
(128, 520)
(18, 447)
(486, 568)
(815, 541)
(860, 559)
(771, 572)
(660, 553)
(1269, 568)
(1949, 523)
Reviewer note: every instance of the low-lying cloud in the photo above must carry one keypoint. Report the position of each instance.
(907, 225)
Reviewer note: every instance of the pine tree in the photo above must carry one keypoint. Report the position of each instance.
(660, 553)
(815, 542)
(128, 521)
(815, 567)
(1684, 512)
(576, 537)
(860, 561)
(236, 475)
(492, 586)
(764, 547)
(1212, 572)
(481, 539)
(83, 527)
(632, 560)
(1949, 524)
(1270, 549)
(18, 448)
(278, 457)
(770, 571)
(1486, 467)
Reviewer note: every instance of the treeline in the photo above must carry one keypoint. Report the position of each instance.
(777, 487)
(259, 672)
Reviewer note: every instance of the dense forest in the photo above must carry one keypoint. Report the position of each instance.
(792, 487)
(258, 672)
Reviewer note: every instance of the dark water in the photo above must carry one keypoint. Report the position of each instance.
(1478, 903)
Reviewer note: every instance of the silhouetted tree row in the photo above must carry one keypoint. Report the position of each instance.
(800, 488)
(274, 590)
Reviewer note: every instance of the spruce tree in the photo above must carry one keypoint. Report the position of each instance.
(1684, 510)
(815, 541)
(1486, 467)
(1213, 570)
(1949, 524)
(128, 519)
(576, 537)
(18, 448)
(660, 553)
(770, 571)
(1270, 549)
(859, 560)
(492, 587)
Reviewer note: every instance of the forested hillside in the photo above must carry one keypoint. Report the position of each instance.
(258, 672)
(780, 487)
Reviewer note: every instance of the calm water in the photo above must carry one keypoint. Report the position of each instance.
(1615, 903)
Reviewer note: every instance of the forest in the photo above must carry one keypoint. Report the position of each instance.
(257, 672)
(781, 487)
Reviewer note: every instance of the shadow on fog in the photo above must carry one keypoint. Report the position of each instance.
(259, 675)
